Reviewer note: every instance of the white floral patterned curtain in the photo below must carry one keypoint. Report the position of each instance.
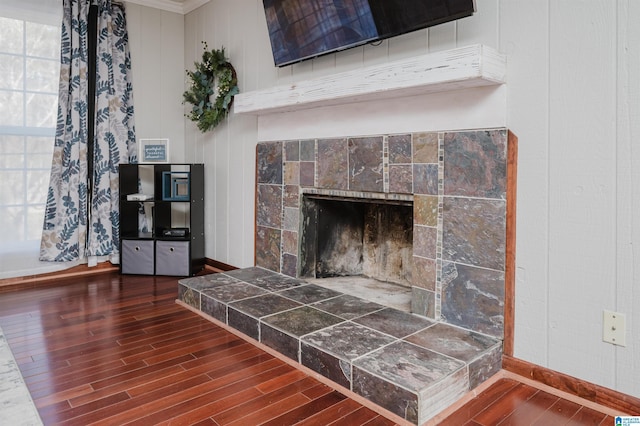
(81, 216)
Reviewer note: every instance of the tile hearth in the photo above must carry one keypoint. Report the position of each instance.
(410, 365)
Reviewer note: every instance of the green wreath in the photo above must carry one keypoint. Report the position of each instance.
(213, 76)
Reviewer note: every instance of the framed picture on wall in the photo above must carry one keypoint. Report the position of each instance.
(153, 151)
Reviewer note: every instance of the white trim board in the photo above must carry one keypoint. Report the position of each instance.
(454, 69)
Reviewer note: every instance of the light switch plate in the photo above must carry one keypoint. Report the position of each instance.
(613, 328)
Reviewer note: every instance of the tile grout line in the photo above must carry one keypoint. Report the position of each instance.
(440, 228)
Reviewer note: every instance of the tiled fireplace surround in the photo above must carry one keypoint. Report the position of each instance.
(413, 365)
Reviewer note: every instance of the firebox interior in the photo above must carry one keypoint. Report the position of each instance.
(356, 237)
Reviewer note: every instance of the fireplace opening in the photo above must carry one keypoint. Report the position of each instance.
(357, 242)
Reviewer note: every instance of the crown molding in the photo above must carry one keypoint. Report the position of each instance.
(191, 5)
(175, 6)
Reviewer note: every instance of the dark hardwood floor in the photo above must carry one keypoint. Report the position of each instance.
(510, 402)
(113, 349)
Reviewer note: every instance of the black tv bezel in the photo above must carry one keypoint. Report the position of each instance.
(379, 38)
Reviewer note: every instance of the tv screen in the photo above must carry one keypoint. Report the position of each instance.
(305, 29)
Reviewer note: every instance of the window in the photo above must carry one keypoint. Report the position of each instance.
(29, 74)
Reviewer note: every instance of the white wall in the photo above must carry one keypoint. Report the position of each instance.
(156, 42)
(573, 104)
(229, 151)
(573, 100)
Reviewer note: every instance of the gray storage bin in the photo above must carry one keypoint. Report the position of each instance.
(137, 257)
(172, 258)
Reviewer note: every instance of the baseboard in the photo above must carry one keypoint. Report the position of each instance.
(218, 266)
(32, 281)
(622, 403)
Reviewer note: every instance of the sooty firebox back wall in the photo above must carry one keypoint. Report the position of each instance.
(357, 238)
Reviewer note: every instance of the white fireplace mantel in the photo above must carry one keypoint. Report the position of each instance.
(460, 68)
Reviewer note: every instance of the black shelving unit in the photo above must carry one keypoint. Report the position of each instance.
(160, 251)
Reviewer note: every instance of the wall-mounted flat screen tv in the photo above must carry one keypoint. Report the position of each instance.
(305, 29)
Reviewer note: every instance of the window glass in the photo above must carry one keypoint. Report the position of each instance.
(11, 34)
(42, 75)
(43, 41)
(11, 72)
(41, 110)
(40, 145)
(14, 194)
(13, 161)
(11, 108)
(11, 144)
(36, 179)
(13, 220)
(29, 74)
(33, 218)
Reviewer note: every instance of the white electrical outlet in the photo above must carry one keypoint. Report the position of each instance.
(613, 328)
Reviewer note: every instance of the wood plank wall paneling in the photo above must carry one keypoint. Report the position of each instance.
(627, 295)
(582, 191)
(525, 42)
(156, 40)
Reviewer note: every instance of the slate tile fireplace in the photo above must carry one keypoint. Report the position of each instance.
(425, 211)
(441, 196)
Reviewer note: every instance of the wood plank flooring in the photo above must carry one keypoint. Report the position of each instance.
(111, 349)
(510, 402)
